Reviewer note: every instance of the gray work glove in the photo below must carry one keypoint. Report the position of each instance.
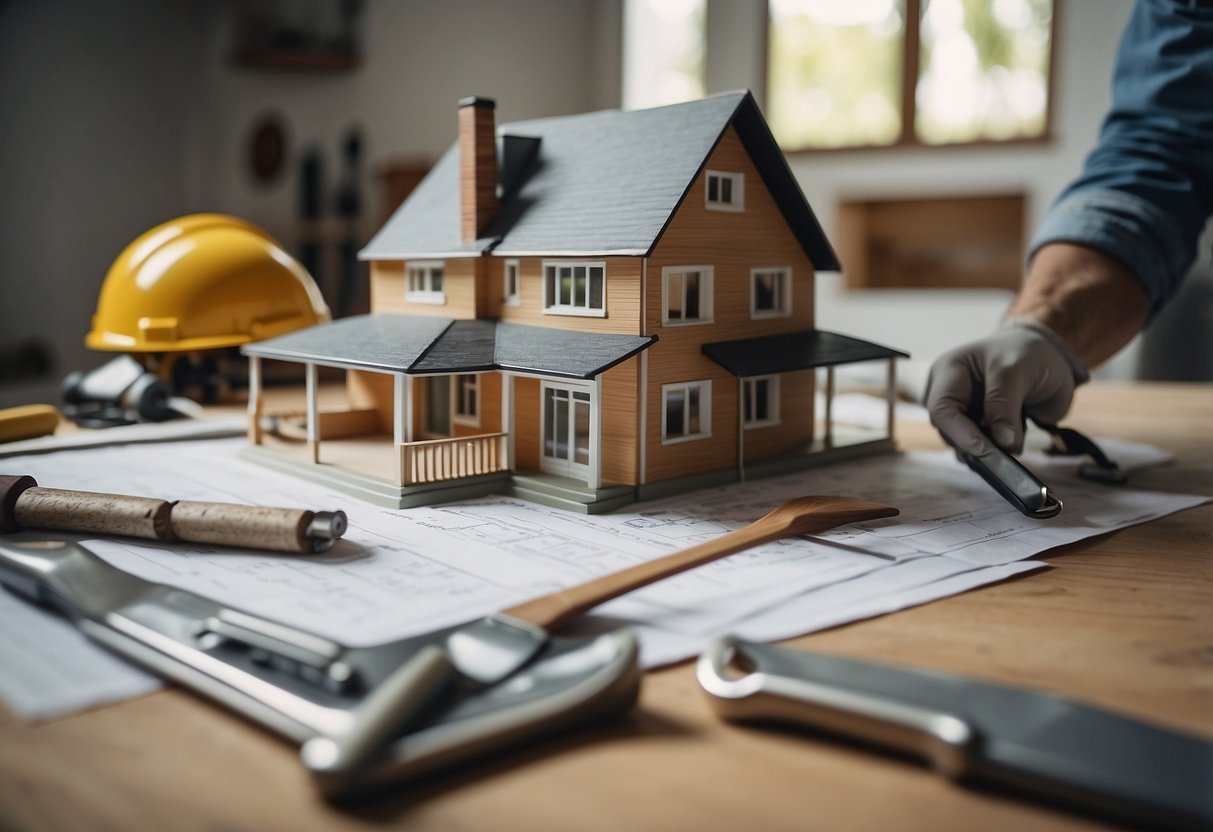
(1021, 368)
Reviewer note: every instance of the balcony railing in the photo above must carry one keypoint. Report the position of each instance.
(438, 460)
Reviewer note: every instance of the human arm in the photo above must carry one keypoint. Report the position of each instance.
(1113, 248)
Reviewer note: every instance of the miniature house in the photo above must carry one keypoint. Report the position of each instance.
(582, 311)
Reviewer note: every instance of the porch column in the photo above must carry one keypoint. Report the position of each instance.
(741, 429)
(254, 399)
(507, 417)
(313, 427)
(408, 417)
(890, 393)
(595, 434)
(399, 409)
(829, 409)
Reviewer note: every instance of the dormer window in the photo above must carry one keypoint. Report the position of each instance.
(423, 283)
(725, 191)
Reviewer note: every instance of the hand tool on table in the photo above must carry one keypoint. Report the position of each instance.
(1030, 742)
(25, 505)
(370, 716)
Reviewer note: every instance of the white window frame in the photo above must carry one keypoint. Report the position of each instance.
(425, 270)
(785, 302)
(707, 290)
(704, 387)
(459, 411)
(511, 298)
(737, 191)
(750, 385)
(554, 267)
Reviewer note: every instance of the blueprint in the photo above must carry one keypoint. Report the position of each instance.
(400, 573)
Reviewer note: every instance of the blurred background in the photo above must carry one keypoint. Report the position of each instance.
(928, 135)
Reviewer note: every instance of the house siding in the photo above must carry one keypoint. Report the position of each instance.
(460, 284)
(732, 243)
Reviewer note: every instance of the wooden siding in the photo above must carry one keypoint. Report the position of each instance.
(795, 428)
(459, 285)
(620, 424)
(527, 424)
(622, 295)
(732, 243)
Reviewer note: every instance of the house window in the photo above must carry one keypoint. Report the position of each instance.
(575, 289)
(686, 411)
(465, 404)
(760, 401)
(423, 283)
(686, 295)
(512, 295)
(724, 191)
(908, 72)
(770, 293)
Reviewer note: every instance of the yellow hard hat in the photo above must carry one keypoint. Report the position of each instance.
(200, 282)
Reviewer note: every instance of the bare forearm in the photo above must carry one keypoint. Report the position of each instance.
(1090, 300)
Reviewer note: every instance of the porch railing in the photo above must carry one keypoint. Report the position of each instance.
(437, 460)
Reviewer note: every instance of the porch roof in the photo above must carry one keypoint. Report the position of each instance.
(794, 351)
(425, 345)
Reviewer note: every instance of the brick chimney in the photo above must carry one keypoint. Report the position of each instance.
(477, 166)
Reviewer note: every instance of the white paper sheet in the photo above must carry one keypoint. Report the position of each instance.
(399, 573)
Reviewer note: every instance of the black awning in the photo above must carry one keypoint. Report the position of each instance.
(794, 351)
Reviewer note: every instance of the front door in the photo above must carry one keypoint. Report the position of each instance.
(566, 431)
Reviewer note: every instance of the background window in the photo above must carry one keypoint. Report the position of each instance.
(770, 293)
(688, 294)
(760, 401)
(664, 47)
(882, 72)
(686, 411)
(575, 288)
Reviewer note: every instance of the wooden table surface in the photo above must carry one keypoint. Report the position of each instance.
(1124, 621)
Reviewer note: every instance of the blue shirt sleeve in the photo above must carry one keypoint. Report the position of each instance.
(1146, 189)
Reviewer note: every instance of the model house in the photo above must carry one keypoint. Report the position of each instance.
(584, 311)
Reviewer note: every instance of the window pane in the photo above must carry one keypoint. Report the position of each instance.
(693, 410)
(726, 190)
(566, 286)
(984, 70)
(595, 287)
(766, 288)
(834, 72)
(713, 188)
(675, 412)
(762, 398)
(436, 280)
(692, 296)
(674, 297)
(747, 391)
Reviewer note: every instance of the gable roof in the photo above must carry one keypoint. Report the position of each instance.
(599, 184)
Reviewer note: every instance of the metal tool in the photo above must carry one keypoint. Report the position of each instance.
(1034, 743)
(24, 505)
(367, 716)
(304, 686)
(488, 650)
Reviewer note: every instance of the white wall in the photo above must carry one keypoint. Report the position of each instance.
(95, 102)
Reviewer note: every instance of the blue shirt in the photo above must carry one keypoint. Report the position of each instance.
(1146, 189)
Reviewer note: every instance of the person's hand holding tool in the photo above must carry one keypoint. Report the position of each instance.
(1022, 368)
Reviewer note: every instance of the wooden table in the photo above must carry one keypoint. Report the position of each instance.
(1124, 621)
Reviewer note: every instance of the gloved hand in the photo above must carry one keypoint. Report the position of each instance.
(1023, 367)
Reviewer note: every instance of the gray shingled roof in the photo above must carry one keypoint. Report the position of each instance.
(601, 183)
(434, 345)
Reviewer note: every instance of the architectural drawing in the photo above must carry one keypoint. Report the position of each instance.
(582, 311)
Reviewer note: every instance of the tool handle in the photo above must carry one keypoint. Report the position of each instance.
(804, 515)
(25, 505)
